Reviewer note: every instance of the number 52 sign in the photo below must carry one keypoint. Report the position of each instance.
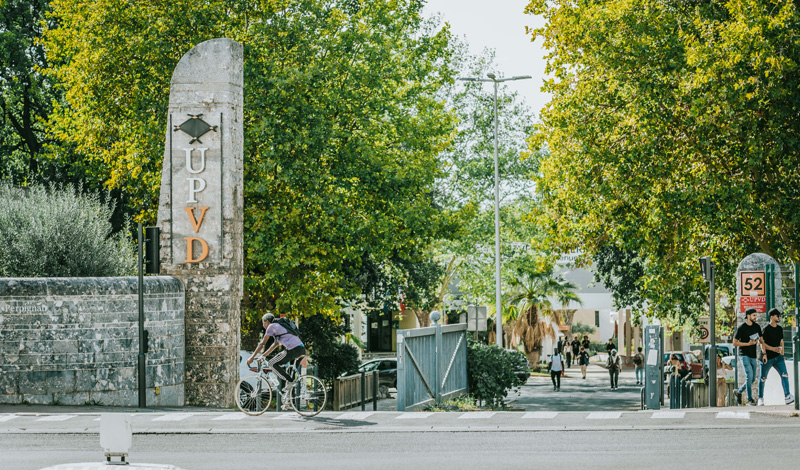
(753, 284)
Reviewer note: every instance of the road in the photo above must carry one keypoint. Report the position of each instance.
(597, 440)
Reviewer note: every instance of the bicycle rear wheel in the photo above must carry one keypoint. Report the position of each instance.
(308, 396)
(253, 395)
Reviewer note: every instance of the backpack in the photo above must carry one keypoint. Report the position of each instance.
(637, 360)
(288, 325)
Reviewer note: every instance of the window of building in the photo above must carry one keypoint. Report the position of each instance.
(597, 318)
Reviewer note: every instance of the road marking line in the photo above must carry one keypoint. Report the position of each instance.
(733, 415)
(56, 418)
(668, 415)
(173, 417)
(477, 415)
(604, 415)
(230, 417)
(357, 415)
(288, 416)
(414, 415)
(5, 418)
(540, 415)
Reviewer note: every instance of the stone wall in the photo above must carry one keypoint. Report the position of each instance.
(75, 341)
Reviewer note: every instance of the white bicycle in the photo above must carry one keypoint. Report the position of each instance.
(305, 394)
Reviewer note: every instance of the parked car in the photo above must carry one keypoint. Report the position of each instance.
(694, 364)
(387, 373)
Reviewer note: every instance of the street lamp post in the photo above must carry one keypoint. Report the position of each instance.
(498, 307)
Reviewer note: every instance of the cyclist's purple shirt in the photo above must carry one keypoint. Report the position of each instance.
(286, 339)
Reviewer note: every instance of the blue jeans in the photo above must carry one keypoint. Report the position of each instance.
(640, 374)
(750, 365)
(779, 365)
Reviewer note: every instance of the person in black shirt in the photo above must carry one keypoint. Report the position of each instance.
(587, 345)
(610, 346)
(772, 346)
(747, 336)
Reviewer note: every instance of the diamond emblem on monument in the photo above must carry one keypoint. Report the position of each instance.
(195, 128)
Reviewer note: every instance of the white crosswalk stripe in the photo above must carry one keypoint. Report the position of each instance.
(5, 418)
(230, 417)
(604, 415)
(356, 415)
(668, 415)
(56, 418)
(733, 415)
(174, 417)
(414, 415)
(477, 415)
(540, 415)
(288, 416)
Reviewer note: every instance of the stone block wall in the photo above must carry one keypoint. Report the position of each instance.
(75, 341)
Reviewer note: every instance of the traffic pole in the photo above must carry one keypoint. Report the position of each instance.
(796, 337)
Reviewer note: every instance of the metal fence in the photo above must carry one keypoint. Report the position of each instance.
(431, 365)
(354, 390)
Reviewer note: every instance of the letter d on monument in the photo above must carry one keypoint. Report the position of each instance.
(205, 119)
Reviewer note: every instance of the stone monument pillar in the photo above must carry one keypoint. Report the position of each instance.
(200, 212)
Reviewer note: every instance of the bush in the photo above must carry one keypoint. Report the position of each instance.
(322, 337)
(490, 372)
(59, 232)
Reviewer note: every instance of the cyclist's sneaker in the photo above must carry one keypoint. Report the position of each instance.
(760, 402)
(789, 398)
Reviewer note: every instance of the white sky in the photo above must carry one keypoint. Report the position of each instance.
(500, 25)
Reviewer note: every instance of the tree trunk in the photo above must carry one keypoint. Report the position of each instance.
(423, 317)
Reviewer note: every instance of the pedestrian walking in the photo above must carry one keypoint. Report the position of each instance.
(583, 361)
(747, 336)
(576, 346)
(674, 368)
(638, 363)
(723, 372)
(613, 365)
(610, 345)
(772, 347)
(556, 366)
(568, 352)
(587, 345)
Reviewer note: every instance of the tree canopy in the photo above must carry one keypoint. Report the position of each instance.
(342, 125)
(672, 134)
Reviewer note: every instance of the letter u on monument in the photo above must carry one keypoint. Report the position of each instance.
(202, 174)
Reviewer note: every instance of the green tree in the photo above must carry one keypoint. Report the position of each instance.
(60, 232)
(672, 135)
(342, 126)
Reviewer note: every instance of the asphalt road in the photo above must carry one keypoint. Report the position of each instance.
(457, 449)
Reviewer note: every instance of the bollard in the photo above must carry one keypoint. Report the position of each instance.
(375, 376)
(363, 391)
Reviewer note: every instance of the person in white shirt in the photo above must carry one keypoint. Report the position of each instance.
(556, 365)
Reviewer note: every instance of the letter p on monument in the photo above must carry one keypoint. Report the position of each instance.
(201, 209)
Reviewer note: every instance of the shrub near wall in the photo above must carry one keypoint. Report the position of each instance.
(76, 340)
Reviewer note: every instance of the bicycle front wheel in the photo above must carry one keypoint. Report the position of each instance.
(253, 395)
(308, 396)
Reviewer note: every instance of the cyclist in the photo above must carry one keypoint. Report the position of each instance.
(292, 346)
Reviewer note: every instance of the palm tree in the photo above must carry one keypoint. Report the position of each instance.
(564, 295)
(530, 296)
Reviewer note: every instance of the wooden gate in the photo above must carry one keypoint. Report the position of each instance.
(431, 365)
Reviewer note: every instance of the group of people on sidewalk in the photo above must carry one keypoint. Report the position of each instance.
(751, 339)
(577, 350)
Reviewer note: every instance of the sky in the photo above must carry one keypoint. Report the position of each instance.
(500, 25)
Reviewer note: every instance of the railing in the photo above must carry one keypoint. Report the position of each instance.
(355, 389)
